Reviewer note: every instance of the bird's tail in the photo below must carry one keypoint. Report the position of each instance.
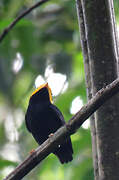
(64, 152)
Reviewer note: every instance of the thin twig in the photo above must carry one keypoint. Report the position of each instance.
(6, 30)
(70, 128)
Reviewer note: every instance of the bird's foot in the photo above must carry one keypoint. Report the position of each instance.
(50, 135)
(32, 151)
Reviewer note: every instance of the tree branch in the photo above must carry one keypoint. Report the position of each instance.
(6, 30)
(61, 134)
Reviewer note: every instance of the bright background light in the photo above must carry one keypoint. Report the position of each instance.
(57, 81)
(17, 63)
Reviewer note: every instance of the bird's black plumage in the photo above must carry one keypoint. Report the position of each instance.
(43, 118)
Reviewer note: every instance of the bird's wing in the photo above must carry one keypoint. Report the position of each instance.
(65, 151)
(58, 114)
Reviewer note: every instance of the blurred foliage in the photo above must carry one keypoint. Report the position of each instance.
(48, 36)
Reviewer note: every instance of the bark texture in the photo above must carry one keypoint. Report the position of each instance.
(103, 70)
(81, 20)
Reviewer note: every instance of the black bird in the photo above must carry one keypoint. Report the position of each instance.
(43, 118)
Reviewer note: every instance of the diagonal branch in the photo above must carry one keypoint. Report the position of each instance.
(6, 30)
(61, 134)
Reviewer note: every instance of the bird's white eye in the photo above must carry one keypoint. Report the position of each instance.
(59, 145)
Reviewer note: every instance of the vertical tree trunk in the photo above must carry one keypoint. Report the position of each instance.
(88, 83)
(103, 70)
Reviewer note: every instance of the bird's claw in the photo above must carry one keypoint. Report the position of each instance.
(50, 135)
(32, 151)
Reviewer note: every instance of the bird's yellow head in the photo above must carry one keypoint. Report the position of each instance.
(44, 86)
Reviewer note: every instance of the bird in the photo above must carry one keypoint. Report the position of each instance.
(43, 118)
